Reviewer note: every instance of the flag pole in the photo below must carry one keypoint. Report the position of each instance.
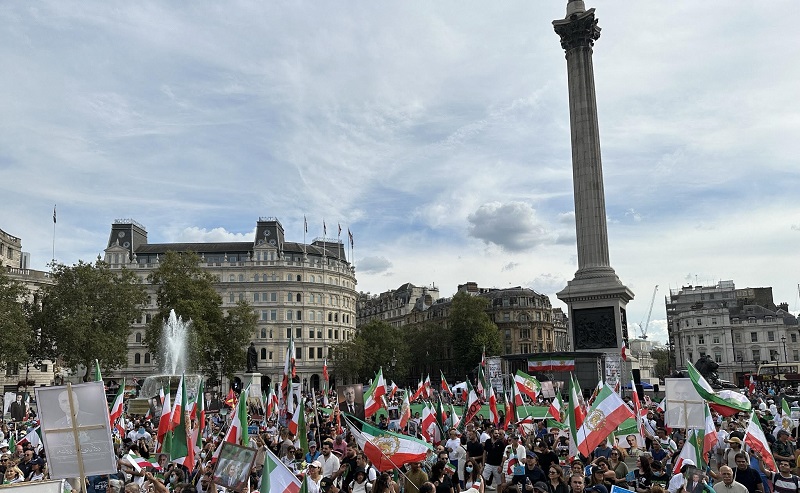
(53, 259)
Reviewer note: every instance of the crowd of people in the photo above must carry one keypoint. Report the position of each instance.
(474, 457)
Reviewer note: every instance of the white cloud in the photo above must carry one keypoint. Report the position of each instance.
(512, 226)
(201, 235)
(374, 265)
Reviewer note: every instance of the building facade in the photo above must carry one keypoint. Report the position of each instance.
(301, 291)
(15, 264)
(740, 329)
(394, 306)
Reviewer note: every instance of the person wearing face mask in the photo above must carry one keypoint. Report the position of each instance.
(472, 475)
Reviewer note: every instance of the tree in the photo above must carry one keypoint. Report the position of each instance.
(471, 331)
(661, 362)
(14, 321)
(376, 345)
(238, 326)
(88, 312)
(181, 285)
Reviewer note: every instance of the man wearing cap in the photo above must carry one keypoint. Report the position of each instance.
(312, 454)
(734, 447)
(533, 473)
(783, 449)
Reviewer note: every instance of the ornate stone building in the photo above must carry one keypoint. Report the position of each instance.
(740, 329)
(304, 291)
(395, 305)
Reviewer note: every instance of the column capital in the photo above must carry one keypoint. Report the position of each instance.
(578, 30)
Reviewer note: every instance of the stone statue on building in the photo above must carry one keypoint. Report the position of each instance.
(252, 359)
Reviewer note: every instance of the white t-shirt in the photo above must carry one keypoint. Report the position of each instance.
(329, 465)
(453, 444)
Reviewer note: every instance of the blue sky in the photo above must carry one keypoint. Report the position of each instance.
(438, 133)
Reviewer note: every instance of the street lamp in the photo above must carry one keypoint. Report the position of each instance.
(783, 340)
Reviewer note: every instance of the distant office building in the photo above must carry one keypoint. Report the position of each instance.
(304, 291)
(394, 305)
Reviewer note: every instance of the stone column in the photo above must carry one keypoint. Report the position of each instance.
(596, 297)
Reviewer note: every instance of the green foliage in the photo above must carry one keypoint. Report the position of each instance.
(376, 345)
(471, 330)
(189, 290)
(237, 328)
(14, 321)
(88, 312)
(661, 362)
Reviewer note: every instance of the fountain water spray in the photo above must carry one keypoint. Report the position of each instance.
(173, 343)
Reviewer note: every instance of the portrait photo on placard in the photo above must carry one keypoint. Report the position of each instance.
(351, 399)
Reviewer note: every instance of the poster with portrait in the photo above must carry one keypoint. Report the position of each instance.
(86, 414)
(233, 466)
(351, 399)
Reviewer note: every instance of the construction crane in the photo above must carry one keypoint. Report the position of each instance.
(643, 326)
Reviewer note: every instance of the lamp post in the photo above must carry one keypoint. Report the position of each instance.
(783, 340)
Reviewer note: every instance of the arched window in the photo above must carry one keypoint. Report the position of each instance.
(264, 278)
(263, 333)
(241, 277)
(289, 297)
(138, 337)
(147, 358)
(232, 278)
(263, 353)
(313, 279)
(147, 318)
(137, 359)
(311, 315)
(299, 297)
(299, 278)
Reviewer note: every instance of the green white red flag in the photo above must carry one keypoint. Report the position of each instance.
(690, 451)
(445, 387)
(419, 391)
(575, 415)
(725, 402)
(754, 437)
(116, 407)
(237, 431)
(164, 424)
(710, 433)
(527, 384)
(405, 411)
(373, 395)
(387, 450)
(289, 372)
(492, 398)
(136, 461)
(605, 415)
(556, 407)
(182, 447)
(428, 420)
(276, 477)
(473, 404)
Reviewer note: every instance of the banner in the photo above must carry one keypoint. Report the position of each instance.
(548, 364)
(494, 374)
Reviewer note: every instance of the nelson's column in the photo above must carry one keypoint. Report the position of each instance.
(596, 297)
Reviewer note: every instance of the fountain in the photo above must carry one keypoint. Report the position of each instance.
(173, 364)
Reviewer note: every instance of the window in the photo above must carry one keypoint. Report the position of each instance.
(270, 355)
(232, 278)
(506, 316)
(273, 315)
(737, 337)
(335, 317)
(699, 322)
(137, 359)
(299, 278)
(146, 361)
(298, 297)
(270, 335)
(299, 315)
(771, 336)
(232, 299)
(288, 277)
(690, 356)
(336, 334)
(713, 320)
(330, 317)
(311, 298)
(138, 337)
(255, 297)
(688, 340)
(241, 296)
(288, 314)
(794, 337)
(289, 333)
(313, 279)
(319, 334)
(756, 355)
(330, 333)
(311, 315)
(753, 336)
(289, 297)
(311, 334)
(795, 355)
(241, 277)
(264, 315)
(298, 332)
(298, 353)
(273, 296)
(751, 320)
(718, 357)
(263, 353)
(311, 353)
(715, 339)
(701, 339)
(319, 353)
(263, 333)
